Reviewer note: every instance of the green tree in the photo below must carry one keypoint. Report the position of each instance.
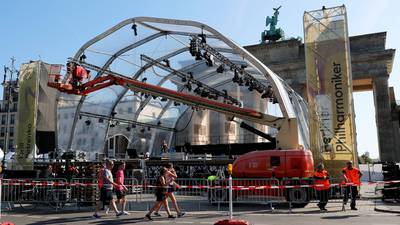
(364, 158)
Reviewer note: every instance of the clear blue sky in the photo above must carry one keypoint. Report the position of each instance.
(53, 30)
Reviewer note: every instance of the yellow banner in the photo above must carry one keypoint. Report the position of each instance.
(27, 109)
(329, 85)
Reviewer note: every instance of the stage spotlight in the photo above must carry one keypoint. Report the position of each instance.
(260, 89)
(247, 82)
(101, 120)
(128, 129)
(134, 28)
(203, 38)
(144, 79)
(83, 57)
(177, 104)
(220, 69)
(154, 97)
(183, 79)
(80, 117)
(148, 128)
(112, 125)
(193, 47)
(158, 123)
(243, 66)
(87, 122)
(240, 81)
(208, 58)
(167, 62)
(190, 75)
(197, 90)
(113, 113)
(225, 92)
(117, 123)
(189, 86)
(142, 130)
(164, 99)
(265, 95)
(235, 78)
(198, 56)
(204, 93)
(133, 126)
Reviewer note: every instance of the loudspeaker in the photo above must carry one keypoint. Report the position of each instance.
(132, 153)
(45, 141)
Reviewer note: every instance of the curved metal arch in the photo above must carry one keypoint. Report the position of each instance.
(279, 89)
(105, 66)
(139, 72)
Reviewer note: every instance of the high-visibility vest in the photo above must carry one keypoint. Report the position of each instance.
(323, 181)
(353, 175)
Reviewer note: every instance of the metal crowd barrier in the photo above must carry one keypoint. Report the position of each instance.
(190, 193)
(30, 194)
(84, 191)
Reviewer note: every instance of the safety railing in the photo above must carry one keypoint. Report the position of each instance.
(192, 194)
(84, 191)
(30, 194)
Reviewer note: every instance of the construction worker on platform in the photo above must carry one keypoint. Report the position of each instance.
(76, 75)
(351, 178)
(322, 186)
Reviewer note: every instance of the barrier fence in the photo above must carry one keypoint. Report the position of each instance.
(196, 193)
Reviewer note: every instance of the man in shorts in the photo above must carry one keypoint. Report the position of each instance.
(121, 189)
(106, 191)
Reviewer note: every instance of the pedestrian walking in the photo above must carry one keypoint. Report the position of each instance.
(172, 186)
(106, 191)
(121, 189)
(322, 186)
(351, 176)
(161, 194)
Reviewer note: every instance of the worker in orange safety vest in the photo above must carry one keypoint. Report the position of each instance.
(351, 176)
(322, 186)
(78, 74)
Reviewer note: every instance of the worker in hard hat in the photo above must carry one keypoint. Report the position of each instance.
(351, 178)
(322, 186)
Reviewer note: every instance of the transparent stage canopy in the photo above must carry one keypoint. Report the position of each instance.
(141, 48)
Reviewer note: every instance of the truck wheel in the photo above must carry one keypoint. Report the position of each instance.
(299, 198)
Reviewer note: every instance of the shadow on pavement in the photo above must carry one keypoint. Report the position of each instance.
(87, 219)
(338, 217)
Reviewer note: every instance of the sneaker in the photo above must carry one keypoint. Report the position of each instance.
(119, 214)
(354, 208)
(181, 214)
(157, 214)
(148, 217)
(96, 216)
(171, 217)
(125, 213)
(107, 211)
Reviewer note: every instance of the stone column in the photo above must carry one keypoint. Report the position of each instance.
(384, 126)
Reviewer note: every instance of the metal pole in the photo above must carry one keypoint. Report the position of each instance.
(8, 87)
(369, 173)
(1, 184)
(230, 198)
